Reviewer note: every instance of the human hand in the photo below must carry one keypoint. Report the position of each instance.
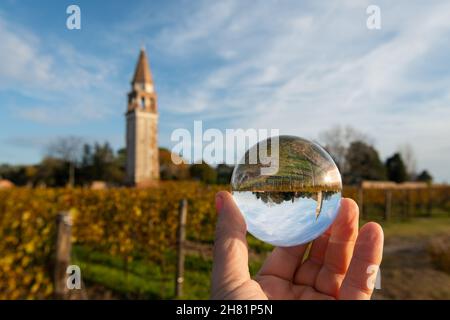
(337, 266)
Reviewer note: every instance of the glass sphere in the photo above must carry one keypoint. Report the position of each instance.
(288, 190)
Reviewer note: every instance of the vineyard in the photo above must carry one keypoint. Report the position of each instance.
(132, 225)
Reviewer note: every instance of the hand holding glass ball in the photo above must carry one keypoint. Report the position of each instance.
(299, 203)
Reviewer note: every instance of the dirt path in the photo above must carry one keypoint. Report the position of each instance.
(407, 272)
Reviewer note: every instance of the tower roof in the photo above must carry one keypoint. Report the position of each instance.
(142, 73)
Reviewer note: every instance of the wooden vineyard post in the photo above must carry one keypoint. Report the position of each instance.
(407, 203)
(181, 235)
(361, 200)
(412, 196)
(388, 204)
(63, 250)
(430, 200)
(404, 203)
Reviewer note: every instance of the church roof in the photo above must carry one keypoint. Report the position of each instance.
(142, 73)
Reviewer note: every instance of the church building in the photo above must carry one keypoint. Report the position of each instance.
(142, 164)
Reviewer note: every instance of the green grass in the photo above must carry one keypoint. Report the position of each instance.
(419, 227)
(148, 280)
(143, 280)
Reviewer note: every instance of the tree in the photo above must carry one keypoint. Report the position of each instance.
(424, 176)
(16, 174)
(203, 172)
(51, 172)
(363, 163)
(409, 159)
(120, 163)
(31, 174)
(168, 169)
(86, 158)
(67, 149)
(102, 161)
(99, 162)
(224, 173)
(337, 141)
(395, 168)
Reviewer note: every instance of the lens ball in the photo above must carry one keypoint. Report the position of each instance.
(288, 189)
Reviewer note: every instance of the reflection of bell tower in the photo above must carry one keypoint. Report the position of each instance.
(142, 127)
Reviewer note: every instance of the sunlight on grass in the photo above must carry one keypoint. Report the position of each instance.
(417, 227)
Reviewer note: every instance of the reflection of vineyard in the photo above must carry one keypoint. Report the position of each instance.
(303, 166)
(280, 197)
(284, 184)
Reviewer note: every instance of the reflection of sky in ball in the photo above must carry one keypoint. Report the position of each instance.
(288, 223)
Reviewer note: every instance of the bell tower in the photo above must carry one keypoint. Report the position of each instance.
(142, 164)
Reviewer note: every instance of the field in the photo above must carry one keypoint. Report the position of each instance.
(124, 241)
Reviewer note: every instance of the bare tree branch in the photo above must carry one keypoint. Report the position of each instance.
(68, 149)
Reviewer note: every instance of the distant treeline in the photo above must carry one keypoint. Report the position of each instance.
(357, 158)
(68, 161)
(99, 162)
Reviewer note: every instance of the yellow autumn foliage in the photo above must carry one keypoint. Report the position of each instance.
(121, 221)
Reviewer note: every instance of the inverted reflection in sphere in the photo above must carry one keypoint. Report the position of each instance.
(294, 204)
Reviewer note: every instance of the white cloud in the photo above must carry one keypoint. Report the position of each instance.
(303, 68)
(298, 66)
(83, 109)
(18, 62)
(63, 80)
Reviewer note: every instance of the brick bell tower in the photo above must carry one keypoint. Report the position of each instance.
(142, 164)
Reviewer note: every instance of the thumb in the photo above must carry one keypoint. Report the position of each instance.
(230, 265)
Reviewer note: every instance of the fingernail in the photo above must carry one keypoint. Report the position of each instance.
(219, 203)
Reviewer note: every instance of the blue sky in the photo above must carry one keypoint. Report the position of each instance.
(300, 66)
